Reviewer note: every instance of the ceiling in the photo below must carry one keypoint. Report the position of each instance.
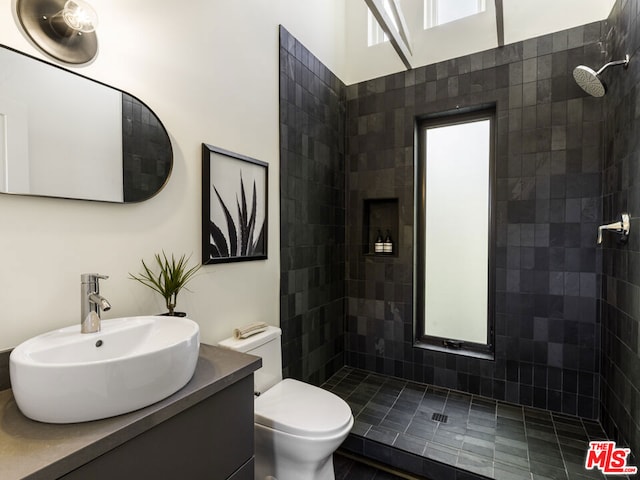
(503, 22)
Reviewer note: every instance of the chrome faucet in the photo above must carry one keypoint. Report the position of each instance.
(622, 228)
(91, 302)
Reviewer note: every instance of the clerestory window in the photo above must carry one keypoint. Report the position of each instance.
(439, 12)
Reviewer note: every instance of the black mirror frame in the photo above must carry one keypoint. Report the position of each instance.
(146, 140)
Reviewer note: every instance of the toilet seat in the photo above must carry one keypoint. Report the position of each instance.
(301, 409)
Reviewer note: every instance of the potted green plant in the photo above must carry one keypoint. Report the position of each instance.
(173, 275)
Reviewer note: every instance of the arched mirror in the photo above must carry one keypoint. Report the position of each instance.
(65, 135)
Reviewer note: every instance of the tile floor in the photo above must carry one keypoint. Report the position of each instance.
(348, 469)
(480, 437)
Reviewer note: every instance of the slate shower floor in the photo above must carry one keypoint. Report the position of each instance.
(448, 435)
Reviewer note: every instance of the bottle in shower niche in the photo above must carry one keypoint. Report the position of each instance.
(387, 246)
(378, 246)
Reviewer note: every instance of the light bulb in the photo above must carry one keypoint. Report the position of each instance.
(80, 16)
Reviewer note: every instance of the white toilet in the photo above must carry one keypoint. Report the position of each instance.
(297, 426)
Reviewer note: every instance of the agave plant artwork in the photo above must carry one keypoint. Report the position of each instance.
(244, 238)
(171, 277)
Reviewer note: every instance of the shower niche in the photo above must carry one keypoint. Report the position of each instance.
(380, 219)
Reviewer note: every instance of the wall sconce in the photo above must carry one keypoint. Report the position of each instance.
(64, 29)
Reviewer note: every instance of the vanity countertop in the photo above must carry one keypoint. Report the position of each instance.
(33, 450)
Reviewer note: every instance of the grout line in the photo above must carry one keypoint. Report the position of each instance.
(392, 405)
(520, 408)
(526, 438)
(370, 400)
(416, 411)
(555, 432)
(444, 406)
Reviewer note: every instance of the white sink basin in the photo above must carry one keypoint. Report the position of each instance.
(65, 376)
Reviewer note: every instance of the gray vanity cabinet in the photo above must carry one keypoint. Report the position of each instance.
(211, 440)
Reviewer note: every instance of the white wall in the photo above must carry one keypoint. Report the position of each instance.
(523, 19)
(210, 72)
(366, 62)
(529, 19)
(455, 39)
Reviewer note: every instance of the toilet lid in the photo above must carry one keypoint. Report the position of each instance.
(302, 409)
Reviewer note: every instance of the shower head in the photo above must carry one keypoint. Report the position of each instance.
(589, 80)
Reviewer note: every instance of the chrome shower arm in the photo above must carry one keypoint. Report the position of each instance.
(624, 62)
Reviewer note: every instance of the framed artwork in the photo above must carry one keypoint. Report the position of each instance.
(234, 206)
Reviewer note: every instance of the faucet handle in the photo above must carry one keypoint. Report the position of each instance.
(621, 227)
(92, 277)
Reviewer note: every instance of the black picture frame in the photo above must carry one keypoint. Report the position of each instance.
(234, 206)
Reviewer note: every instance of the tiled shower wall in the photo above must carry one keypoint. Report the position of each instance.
(312, 214)
(548, 208)
(146, 151)
(621, 263)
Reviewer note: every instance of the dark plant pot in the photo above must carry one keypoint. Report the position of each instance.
(174, 314)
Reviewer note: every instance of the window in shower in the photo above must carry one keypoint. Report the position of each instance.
(454, 233)
(439, 12)
(375, 33)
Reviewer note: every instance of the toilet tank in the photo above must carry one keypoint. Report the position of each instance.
(266, 345)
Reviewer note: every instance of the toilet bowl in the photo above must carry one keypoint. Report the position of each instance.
(297, 426)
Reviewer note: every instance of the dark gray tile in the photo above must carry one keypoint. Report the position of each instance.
(411, 444)
(421, 430)
(448, 438)
(382, 435)
(521, 461)
(512, 453)
(484, 449)
(441, 453)
(348, 469)
(511, 446)
(484, 427)
(510, 411)
(553, 459)
(475, 463)
(508, 472)
(542, 470)
(555, 135)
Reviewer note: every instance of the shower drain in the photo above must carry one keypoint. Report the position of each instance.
(439, 417)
